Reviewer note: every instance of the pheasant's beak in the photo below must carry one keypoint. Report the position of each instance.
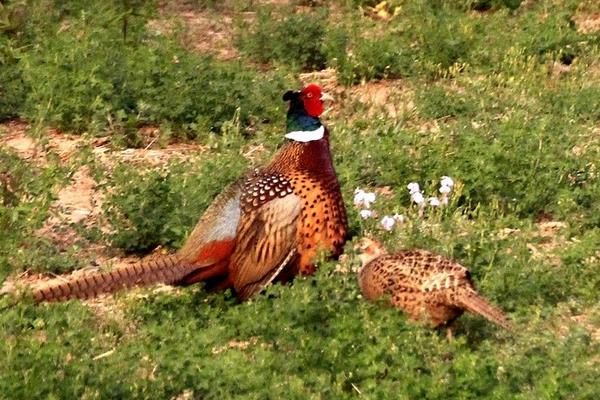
(326, 97)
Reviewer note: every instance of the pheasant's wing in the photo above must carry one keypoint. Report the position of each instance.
(445, 281)
(445, 275)
(214, 237)
(403, 271)
(266, 244)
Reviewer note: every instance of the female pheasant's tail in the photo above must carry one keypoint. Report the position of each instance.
(163, 269)
(475, 303)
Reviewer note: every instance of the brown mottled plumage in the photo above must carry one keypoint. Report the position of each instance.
(425, 285)
(268, 225)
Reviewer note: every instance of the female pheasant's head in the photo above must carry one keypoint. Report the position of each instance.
(369, 249)
(303, 124)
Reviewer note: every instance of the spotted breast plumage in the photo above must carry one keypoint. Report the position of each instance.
(269, 225)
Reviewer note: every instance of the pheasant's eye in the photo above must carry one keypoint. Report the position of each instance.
(309, 95)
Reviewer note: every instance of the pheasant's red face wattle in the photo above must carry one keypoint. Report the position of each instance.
(311, 97)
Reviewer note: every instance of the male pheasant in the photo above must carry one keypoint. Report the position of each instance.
(426, 286)
(268, 225)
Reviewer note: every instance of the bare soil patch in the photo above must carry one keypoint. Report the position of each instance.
(391, 97)
(549, 237)
(589, 23)
(80, 201)
(586, 318)
(204, 31)
(15, 138)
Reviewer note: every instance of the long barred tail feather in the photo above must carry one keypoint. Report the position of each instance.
(475, 303)
(163, 269)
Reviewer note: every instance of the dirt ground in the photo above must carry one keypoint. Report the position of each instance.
(80, 201)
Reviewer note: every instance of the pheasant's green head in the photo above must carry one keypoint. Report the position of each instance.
(303, 124)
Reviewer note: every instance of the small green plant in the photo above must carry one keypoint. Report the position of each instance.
(222, 5)
(25, 196)
(371, 58)
(437, 102)
(287, 37)
(154, 208)
(13, 89)
(573, 102)
(145, 207)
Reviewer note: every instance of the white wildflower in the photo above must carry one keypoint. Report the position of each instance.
(413, 187)
(399, 218)
(417, 197)
(362, 198)
(434, 202)
(369, 199)
(446, 186)
(445, 189)
(359, 195)
(388, 223)
(447, 181)
(365, 214)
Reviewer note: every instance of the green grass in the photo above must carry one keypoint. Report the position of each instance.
(482, 100)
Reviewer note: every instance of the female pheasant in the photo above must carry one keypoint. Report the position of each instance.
(268, 225)
(422, 284)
